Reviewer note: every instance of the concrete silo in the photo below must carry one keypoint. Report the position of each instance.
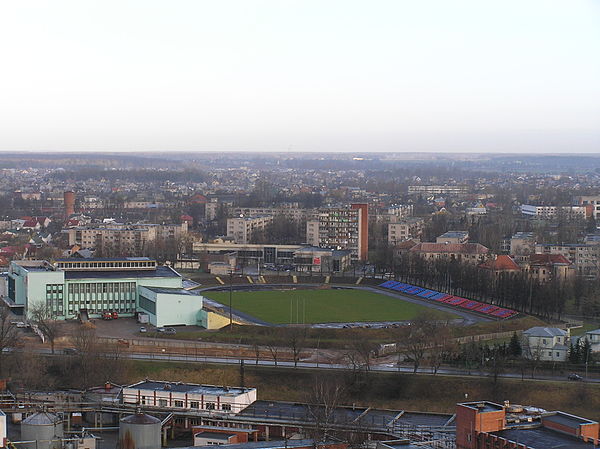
(44, 430)
(139, 431)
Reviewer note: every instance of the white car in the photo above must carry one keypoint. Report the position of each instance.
(143, 330)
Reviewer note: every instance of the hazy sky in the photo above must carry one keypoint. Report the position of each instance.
(324, 75)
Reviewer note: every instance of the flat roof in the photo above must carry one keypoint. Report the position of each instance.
(344, 415)
(159, 272)
(189, 388)
(483, 406)
(214, 435)
(107, 259)
(543, 438)
(171, 291)
(566, 419)
(283, 444)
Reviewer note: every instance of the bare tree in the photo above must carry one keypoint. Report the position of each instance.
(325, 397)
(87, 358)
(442, 345)
(295, 338)
(8, 333)
(274, 350)
(417, 340)
(45, 319)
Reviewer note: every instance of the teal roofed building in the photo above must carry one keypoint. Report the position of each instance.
(71, 287)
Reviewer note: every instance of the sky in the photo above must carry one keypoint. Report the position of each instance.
(284, 75)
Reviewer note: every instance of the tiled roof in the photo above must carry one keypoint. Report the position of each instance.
(548, 259)
(501, 262)
(545, 332)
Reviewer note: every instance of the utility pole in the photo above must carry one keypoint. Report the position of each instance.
(230, 296)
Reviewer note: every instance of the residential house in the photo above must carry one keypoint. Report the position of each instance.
(546, 344)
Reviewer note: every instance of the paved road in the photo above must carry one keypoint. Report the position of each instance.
(467, 318)
(326, 365)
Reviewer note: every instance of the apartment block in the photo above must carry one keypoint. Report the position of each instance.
(438, 189)
(125, 238)
(291, 213)
(554, 212)
(341, 228)
(584, 257)
(590, 201)
(409, 228)
(244, 229)
(453, 237)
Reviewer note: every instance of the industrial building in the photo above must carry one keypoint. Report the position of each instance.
(186, 396)
(483, 425)
(341, 228)
(73, 287)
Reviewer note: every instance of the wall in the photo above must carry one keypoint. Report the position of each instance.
(2, 429)
(237, 403)
(35, 289)
(175, 309)
(172, 308)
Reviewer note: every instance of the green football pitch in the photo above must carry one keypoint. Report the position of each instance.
(322, 306)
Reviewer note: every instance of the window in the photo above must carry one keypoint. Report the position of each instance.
(210, 406)
(544, 341)
(226, 407)
(549, 353)
(557, 354)
(194, 404)
(162, 402)
(178, 403)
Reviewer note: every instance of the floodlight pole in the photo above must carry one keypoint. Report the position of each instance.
(230, 295)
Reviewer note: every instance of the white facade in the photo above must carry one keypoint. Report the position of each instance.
(552, 212)
(406, 229)
(180, 396)
(594, 338)
(244, 229)
(546, 344)
(584, 257)
(589, 200)
(2, 429)
(171, 306)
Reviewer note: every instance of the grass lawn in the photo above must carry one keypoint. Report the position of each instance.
(323, 306)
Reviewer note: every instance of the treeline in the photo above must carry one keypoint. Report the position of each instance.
(133, 175)
(514, 290)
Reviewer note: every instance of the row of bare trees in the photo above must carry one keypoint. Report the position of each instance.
(516, 290)
(87, 364)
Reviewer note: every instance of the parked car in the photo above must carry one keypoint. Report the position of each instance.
(575, 377)
(143, 330)
(19, 324)
(170, 330)
(160, 329)
(70, 351)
